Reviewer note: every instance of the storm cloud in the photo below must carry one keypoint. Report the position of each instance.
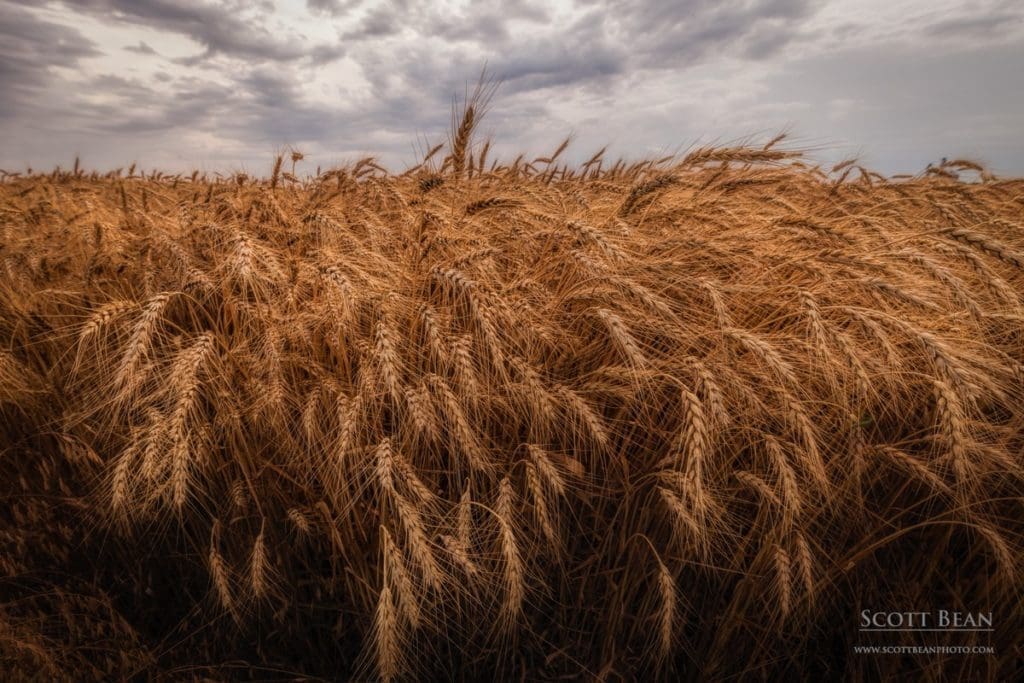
(226, 84)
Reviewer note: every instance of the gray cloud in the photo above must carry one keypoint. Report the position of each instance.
(228, 28)
(610, 37)
(485, 23)
(551, 66)
(383, 20)
(914, 103)
(975, 27)
(142, 49)
(135, 108)
(29, 48)
(674, 34)
(334, 7)
(650, 75)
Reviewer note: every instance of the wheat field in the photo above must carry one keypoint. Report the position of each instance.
(485, 420)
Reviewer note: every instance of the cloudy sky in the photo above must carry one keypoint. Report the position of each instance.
(222, 85)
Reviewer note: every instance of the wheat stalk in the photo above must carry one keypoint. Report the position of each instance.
(219, 571)
(667, 613)
(783, 579)
(396, 573)
(512, 567)
(138, 344)
(387, 639)
(259, 568)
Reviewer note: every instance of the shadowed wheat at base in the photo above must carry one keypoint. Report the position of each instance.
(666, 419)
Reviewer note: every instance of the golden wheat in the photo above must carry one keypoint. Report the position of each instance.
(373, 415)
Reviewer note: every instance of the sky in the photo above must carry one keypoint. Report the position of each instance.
(224, 85)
